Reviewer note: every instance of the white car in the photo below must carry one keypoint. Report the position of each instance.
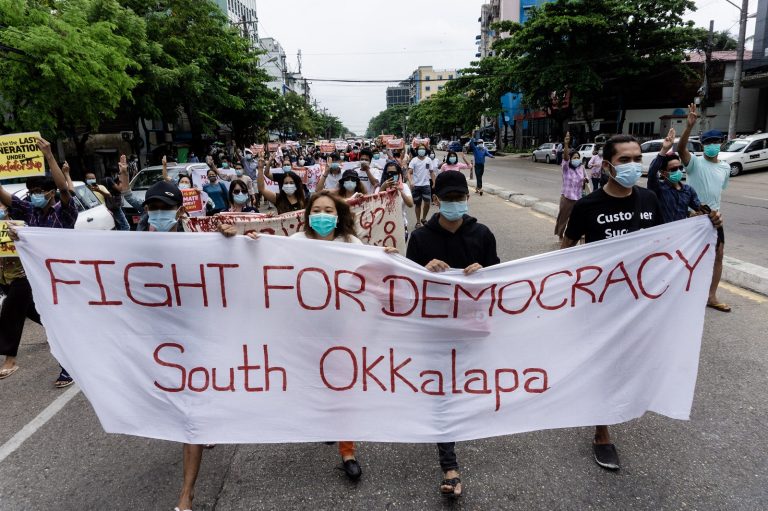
(748, 153)
(586, 150)
(651, 150)
(442, 145)
(91, 214)
(546, 153)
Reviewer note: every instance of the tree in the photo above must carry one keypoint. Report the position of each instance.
(70, 70)
(721, 41)
(389, 122)
(565, 57)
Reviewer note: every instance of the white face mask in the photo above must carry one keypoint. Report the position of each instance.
(289, 189)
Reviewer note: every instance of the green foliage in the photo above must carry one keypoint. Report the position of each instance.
(388, 122)
(72, 68)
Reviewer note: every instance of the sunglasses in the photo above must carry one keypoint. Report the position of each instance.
(680, 168)
(238, 190)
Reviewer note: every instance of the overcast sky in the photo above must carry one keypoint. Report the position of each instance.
(387, 40)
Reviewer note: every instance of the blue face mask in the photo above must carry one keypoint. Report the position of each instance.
(422, 152)
(225, 165)
(376, 156)
(335, 166)
(452, 160)
(628, 174)
(712, 150)
(453, 211)
(323, 223)
(162, 220)
(350, 185)
(38, 200)
(2, 214)
(240, 198)
(575, 162)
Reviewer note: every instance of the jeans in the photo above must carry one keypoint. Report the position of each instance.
(121, 223)
(18, 306)
(447, 454)
(595, 183)
(479, 169)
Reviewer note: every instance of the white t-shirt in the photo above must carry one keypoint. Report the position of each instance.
(332, 181)
(354, 240)
(376, 172)
(421, 174)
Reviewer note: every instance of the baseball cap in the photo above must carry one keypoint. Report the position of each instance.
(712, 135)
(166, 192)
(450, 181)
(350, 174)
(480, 141)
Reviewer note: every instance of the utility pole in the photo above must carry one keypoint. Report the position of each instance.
(738, 70)
(704, 123)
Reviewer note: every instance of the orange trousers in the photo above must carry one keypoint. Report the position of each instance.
(347, 449)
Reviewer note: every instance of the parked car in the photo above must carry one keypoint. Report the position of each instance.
(491, 146)
(747, 153)
(455, 146)
(442, 145)
(151, 175)
(91, 214)
(546, 153)
(651, 149)
(586, 150)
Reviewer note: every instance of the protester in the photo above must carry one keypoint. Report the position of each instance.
(332, 175)
(193, 157)
(617, 208)
(559, 153)
(290, 195)
(595, 166)
(452, 239)
(422, 176)
(216, 190)
(98, 190)
(368, 177)
(709, 176)
(41, 210)
(573, 184)
(452, 163)
(480, 153)
(114, 202)
(350, 186)
(238, 175)
(435, 162)
(675, 197)
(239, 197)
(378, 160)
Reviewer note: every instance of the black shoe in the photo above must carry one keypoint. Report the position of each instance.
(353, 470)
(606, 456)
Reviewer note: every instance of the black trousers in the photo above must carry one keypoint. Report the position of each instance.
(18, 306)
(447, 454)
(479, 170)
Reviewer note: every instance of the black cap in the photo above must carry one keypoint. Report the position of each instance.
(713, 135)
(450, 181)
(166, 192)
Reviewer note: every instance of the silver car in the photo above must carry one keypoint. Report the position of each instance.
(546, 153)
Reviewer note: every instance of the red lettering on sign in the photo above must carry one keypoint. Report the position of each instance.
(348, 292)
(527, 303)
(425, 298)
(183, 371)
(221, 268)
(97, 274)
(367, 371)
(392, 279)
(689, 267)
(126, 278)
(582, 286)
(541, 291)
(328, 289)
(460, 288)
(177, 285)
(501, 389)
(640, 275)
(394, 371)
(55, 280)
(624, 278)
(268, 286)
(354, 368)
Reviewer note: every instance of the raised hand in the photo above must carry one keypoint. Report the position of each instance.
(44, 145)
(668, 142)
(692, 115)
(65, 168)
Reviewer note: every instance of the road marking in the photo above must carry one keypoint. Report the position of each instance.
(756, 198)
(38, 422)
(516, 206)
(743, 293)
(544, 217)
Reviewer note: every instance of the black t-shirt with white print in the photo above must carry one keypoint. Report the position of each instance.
(599, 216)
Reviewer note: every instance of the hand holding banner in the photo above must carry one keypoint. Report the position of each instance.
(7, 248)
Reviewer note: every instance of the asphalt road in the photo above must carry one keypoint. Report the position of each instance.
(717, 460)
(744, 203)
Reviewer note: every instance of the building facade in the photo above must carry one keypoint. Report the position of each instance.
(242, 14)
(756, 68)
(399, 95)
(426, 81)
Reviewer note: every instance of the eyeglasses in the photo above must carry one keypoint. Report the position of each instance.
(675, 169)
(237, 191)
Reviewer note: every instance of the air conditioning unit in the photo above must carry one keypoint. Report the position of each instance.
(126, 135)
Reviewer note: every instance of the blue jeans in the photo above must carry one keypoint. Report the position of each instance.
(121, 223)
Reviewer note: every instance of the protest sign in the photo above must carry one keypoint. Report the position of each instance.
(378, 221)
(327, 147)
(7, 248)
(258, 149)
(396, 143)
(273, 147)
(341, 145)
(193, 201)
(569, 338)
(20, 156)
(416, 142)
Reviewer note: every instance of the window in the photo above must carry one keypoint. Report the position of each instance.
(439, 77)
(650, 147)
(427, 87)
(757, 145)
(450, 77)
(642, 129)
(427, 78)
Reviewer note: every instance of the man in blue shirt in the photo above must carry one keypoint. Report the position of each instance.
(674, 197)
(480, 152)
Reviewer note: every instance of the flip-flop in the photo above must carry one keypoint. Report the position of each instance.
(722, 307)
(5, 373)
(453, 483)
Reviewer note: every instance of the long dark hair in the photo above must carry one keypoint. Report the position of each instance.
(236, 182)
(345, 227)
(283, 204)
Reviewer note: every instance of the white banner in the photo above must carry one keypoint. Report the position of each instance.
(378, 221)
(203, 339)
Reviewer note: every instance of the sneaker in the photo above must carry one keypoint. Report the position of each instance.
(606, 456)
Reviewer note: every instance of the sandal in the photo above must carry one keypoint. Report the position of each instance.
(352, 469)
(64, 380)
(5, 373)
(453, 483)
(722, 307)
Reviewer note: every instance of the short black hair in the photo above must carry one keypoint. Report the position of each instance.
(45, 183)
(366, 152)
(609, 151)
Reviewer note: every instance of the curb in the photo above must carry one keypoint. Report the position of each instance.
(735, 271)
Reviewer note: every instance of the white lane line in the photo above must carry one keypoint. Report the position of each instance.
(756, 198)
(38, 422)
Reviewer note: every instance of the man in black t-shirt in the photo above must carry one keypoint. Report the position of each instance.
(618, 208)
